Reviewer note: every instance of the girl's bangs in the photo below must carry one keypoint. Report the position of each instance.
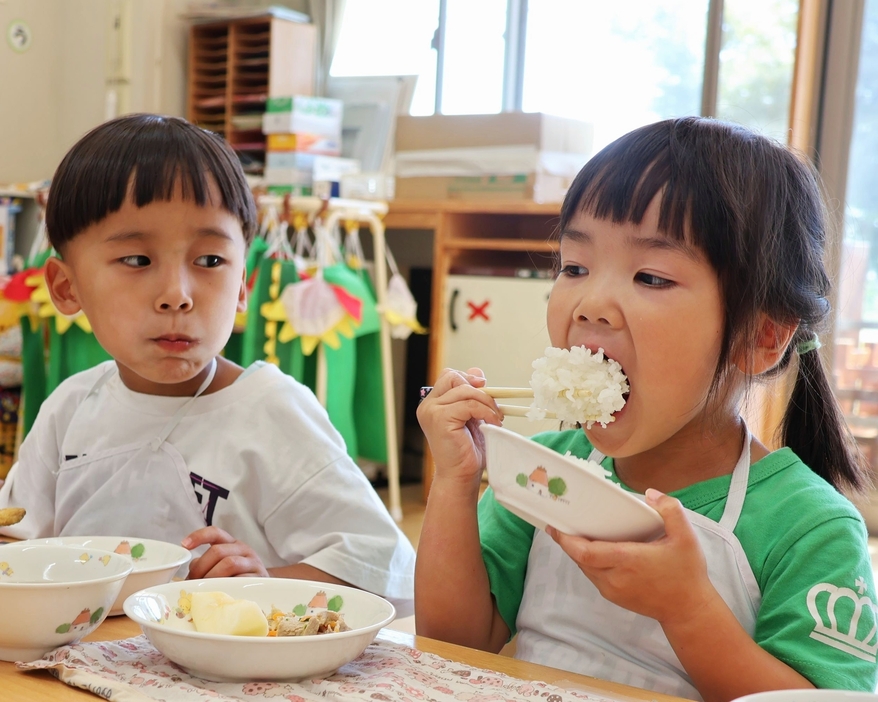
(620, 182)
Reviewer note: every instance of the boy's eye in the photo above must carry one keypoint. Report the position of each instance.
(572, 271)
(208, 261)
(135, 261)
(653, 281)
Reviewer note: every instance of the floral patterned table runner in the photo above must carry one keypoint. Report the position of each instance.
(132, 670)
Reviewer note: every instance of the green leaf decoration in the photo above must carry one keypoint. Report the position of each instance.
(521, 479)
(63, 629)
(299, 610)
(335, 604)
(96, 615)
(137, 551)
(557, 487)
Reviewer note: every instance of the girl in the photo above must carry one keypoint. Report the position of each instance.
(691, 252)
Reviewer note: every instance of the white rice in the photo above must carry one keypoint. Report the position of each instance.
(577, 386)
(592, 467)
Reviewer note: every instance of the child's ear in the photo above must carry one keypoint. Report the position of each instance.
(59, 279)
(771, 342)
(242, 293)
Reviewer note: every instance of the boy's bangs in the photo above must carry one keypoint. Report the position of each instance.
(158, 166)
(148, 159)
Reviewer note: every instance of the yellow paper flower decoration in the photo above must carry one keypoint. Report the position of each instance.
(315, 311)
(15, 298)
(47, 308)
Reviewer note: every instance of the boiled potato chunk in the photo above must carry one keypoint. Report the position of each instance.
(219, 613)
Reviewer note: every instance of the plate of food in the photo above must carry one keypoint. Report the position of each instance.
(244, 629)
(569, 493)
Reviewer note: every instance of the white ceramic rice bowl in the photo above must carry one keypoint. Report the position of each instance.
(155, 562)
(809, 696)
(545, 488)
(224, 658)
(51, 596)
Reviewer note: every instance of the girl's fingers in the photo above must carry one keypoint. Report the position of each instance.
(671, 510)
(585, 552)
(450, 378)
(454, 391)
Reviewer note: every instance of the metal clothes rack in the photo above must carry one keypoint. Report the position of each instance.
(334, 211)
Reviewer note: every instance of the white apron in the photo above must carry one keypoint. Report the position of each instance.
(564, 621)
(142, 489)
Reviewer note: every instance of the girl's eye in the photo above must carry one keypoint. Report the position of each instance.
(572, 271)
(653, 281)
(135, 261)
(208, 261)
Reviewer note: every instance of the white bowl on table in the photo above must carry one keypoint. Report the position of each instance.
(809, 696)
(51, 596)
(155, 562)
(226, 658)
(545, 488)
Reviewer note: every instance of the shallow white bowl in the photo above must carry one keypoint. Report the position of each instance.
(545, 488)
(250, 659)
(155, 562)
(54, 595)
(809, 696)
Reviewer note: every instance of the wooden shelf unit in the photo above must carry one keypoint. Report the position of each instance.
(236, 65)
(475, 234)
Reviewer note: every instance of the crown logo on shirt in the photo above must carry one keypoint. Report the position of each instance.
(837, 618)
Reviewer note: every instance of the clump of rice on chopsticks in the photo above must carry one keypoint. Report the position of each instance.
(577, 385)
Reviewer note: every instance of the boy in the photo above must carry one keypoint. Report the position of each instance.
(151, 217)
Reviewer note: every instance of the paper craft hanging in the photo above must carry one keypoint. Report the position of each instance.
(17, 295)
(47, 310)
(316, 311)
(400, 309)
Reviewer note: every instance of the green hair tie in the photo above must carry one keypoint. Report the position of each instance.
(811, 344)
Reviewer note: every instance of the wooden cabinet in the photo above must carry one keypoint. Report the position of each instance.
(474, 236)
(236, 65)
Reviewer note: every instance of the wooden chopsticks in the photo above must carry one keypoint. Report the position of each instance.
(504, 393)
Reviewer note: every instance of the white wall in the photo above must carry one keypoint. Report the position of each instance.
(57, 90)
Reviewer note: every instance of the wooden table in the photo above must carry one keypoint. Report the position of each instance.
(40, 686)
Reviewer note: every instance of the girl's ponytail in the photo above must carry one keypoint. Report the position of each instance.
(814, 427)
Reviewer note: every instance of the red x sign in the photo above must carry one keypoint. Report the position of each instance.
(477, 311)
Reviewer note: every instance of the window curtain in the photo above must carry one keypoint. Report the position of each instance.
(327, 16)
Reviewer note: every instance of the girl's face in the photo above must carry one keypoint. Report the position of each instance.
(654, 305)
(161, 285)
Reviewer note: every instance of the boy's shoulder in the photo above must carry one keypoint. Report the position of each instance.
(270, 387)
(74, 389)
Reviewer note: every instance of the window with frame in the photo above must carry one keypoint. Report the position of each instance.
(617, 65)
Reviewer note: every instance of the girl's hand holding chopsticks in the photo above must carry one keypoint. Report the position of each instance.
(450, 415)
(501, 393)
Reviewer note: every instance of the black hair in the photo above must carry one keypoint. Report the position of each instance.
(756, 210)
(147, 156)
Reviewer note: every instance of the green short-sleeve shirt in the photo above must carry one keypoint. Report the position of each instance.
(805, 542)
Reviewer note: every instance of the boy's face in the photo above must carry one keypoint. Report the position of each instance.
(160, 285)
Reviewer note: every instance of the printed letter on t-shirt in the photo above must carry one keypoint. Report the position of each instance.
(214, 492)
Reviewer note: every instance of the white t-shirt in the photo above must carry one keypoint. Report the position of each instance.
(264, 460)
